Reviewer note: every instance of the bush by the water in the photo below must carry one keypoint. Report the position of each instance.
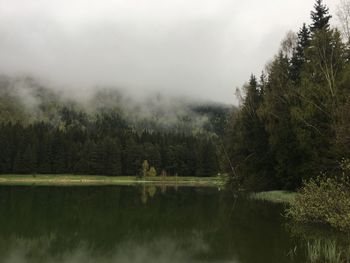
(324, 200)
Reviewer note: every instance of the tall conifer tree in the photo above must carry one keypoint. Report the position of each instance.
(320, 17)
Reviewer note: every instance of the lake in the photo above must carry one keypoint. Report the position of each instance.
(146, 224)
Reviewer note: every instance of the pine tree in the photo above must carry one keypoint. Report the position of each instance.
(58, 153)
(208, 159)
(5, 151)
(97, 158)
(320, 97)
(114, 166)
(44, 153)
(279, 99)
(83, 164)
(132, 157)
(320, 17)
(298, 59)
(247, 138)
(25, 161)
(152, 154)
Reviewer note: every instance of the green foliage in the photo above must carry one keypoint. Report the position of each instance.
(103, 149)
(247, 140)
(217, 117)
(276, 113)
(152, 172)
(324, 200)
(298, 58)
(327, 252)
(45, 133)
(315, 116)
(320, 17)
(25, 161)
(145, 168)
(294, 123)
(207, 158)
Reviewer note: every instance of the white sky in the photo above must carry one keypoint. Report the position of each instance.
(198, 48)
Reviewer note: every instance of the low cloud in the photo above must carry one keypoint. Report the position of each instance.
(200, 49)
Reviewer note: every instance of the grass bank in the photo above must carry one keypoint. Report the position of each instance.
(275, 196)
(89, 180)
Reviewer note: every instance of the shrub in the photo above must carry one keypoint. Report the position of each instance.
(324, 200)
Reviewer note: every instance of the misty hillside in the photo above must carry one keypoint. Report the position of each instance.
(26, 100)
(48, 130)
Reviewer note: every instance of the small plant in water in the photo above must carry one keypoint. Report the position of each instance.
(314, 251)
(331, 252)
(326, 251)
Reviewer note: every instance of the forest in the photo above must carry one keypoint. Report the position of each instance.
(43, 133)
(151, 131)
(293, 123)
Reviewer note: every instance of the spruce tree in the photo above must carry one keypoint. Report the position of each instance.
(209, 160)
(152, 154)
(320, 17)
(25, 162)
(298, 58)
(132, 157)
(58, 153)
(97, 158)
(114, 166)
(279, 99)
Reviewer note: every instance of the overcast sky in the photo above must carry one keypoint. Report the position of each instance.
(198, 48)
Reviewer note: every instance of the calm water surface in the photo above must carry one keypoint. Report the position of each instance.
(143, 224)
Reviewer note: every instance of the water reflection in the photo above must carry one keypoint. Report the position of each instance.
(144, 224)
(162, 250)
(148, 191)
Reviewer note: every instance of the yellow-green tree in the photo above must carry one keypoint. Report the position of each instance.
(145, 168)
(152, 172)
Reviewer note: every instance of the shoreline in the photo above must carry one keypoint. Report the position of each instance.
(96, 180)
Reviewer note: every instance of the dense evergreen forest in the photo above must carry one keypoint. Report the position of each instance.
(44, 133)
(294, 121)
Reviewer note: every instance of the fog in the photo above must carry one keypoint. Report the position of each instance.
(200, 49)
(28, 100)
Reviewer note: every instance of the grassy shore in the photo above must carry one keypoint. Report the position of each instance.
(275, 196)
(81, 180)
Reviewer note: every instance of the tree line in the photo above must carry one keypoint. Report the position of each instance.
(103, 146)
(294, 121)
